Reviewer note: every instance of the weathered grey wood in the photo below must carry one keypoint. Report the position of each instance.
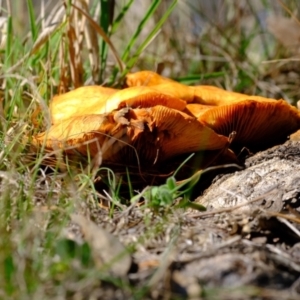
(274, 173)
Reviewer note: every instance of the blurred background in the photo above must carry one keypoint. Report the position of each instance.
(247, 46)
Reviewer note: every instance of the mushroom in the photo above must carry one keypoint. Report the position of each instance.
(196, 109)
(169, 132)
(154, 134)
(85, 135)
(258, 124)
(142, 96)
(211, 95)
(203, 94)
(146, 78)
(155, 123)
(78, 102)
(98, 100)
(160, 84)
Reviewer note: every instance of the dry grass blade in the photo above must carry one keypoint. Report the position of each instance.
(104, 36)
(289, 12)
(44, 37)
(93, 50)
(37, 96)
(76, 67)
(41, 40)
(282, 216)
(108, 252)
(72, 45)
(3, 32)
(63, 67)
(75, 34)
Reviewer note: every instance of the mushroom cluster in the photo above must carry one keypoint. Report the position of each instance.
(155, 119)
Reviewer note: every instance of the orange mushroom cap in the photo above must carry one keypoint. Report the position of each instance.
(85, 135)
(211, 95)
(257, 124)
(196, 109)
(98, 100)
(161, 84)
(142, 96)
(157, 133)
(79, 102)
(146, 78)
(203, 94)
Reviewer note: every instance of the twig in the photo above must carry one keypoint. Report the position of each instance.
(288, 224)
(201, 172)
(211, 251)
(283, 216)
(230, 209)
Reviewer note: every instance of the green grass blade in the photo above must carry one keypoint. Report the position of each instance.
(120, 16)
(106, 18)
(106, 15)
(140, 27)
(32, 20)
(101, 32)
(195, 78)
(130, 188)
(8, 46)
(9, 58)
(151, 35)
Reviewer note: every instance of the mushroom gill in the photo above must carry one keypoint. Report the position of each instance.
(196, 109)
(154, 134)
(85, 135)
(258, 124)
(168, 133)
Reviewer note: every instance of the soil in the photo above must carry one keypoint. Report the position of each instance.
(245, 246)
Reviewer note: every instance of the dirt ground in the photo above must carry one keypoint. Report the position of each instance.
(245, 246)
